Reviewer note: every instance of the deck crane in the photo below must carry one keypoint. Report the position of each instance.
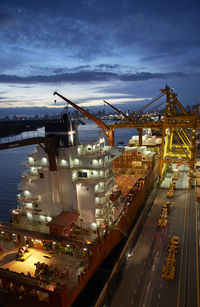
(119, 111)
(109, 132)
(128, 118)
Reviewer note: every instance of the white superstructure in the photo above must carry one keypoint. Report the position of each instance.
(82, 182)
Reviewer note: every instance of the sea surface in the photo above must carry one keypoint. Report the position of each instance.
(11, 163)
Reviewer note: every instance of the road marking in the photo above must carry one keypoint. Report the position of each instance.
(157, 253)
(159, 295)
(148, 285)
(153, 268)
(183, 239)
(198, 225)
(161, 285)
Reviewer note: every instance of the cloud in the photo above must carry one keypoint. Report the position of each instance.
(108, 66)
(73, 41)
(89, 76)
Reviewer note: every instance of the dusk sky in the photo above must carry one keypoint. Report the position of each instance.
(90, 50)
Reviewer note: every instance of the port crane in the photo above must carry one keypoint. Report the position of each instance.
(109, 132)
(178, 129)
(177, 126)
(130, 119)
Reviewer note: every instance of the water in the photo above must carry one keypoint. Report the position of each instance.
(11, 164)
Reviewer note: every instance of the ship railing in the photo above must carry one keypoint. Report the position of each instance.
(22, 136)
(96, 154)
(28, 174)
(22, 198)
(33, 153)
(90, 167)
(100, 204)
(100, 217)
(32, 164)
(32, 209)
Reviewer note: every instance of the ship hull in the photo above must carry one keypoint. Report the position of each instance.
(116, 235)
(65, 297)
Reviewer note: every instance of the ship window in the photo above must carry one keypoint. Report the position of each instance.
(89, 148)
(42, 175)
(61, 153)
(61, 143)
(82, 174)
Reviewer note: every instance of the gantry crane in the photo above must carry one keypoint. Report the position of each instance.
(178, 128)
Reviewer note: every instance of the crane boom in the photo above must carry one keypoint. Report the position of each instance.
(119, 111)
(147, 105)
(109, 132)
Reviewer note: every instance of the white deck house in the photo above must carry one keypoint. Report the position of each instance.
(82, 182)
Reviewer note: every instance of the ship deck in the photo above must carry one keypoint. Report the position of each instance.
(66, 267)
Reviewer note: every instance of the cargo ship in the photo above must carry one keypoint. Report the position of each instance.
(71, 214)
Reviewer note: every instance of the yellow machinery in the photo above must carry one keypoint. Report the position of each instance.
(170, 193)
(177, 126)
(168, 270)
